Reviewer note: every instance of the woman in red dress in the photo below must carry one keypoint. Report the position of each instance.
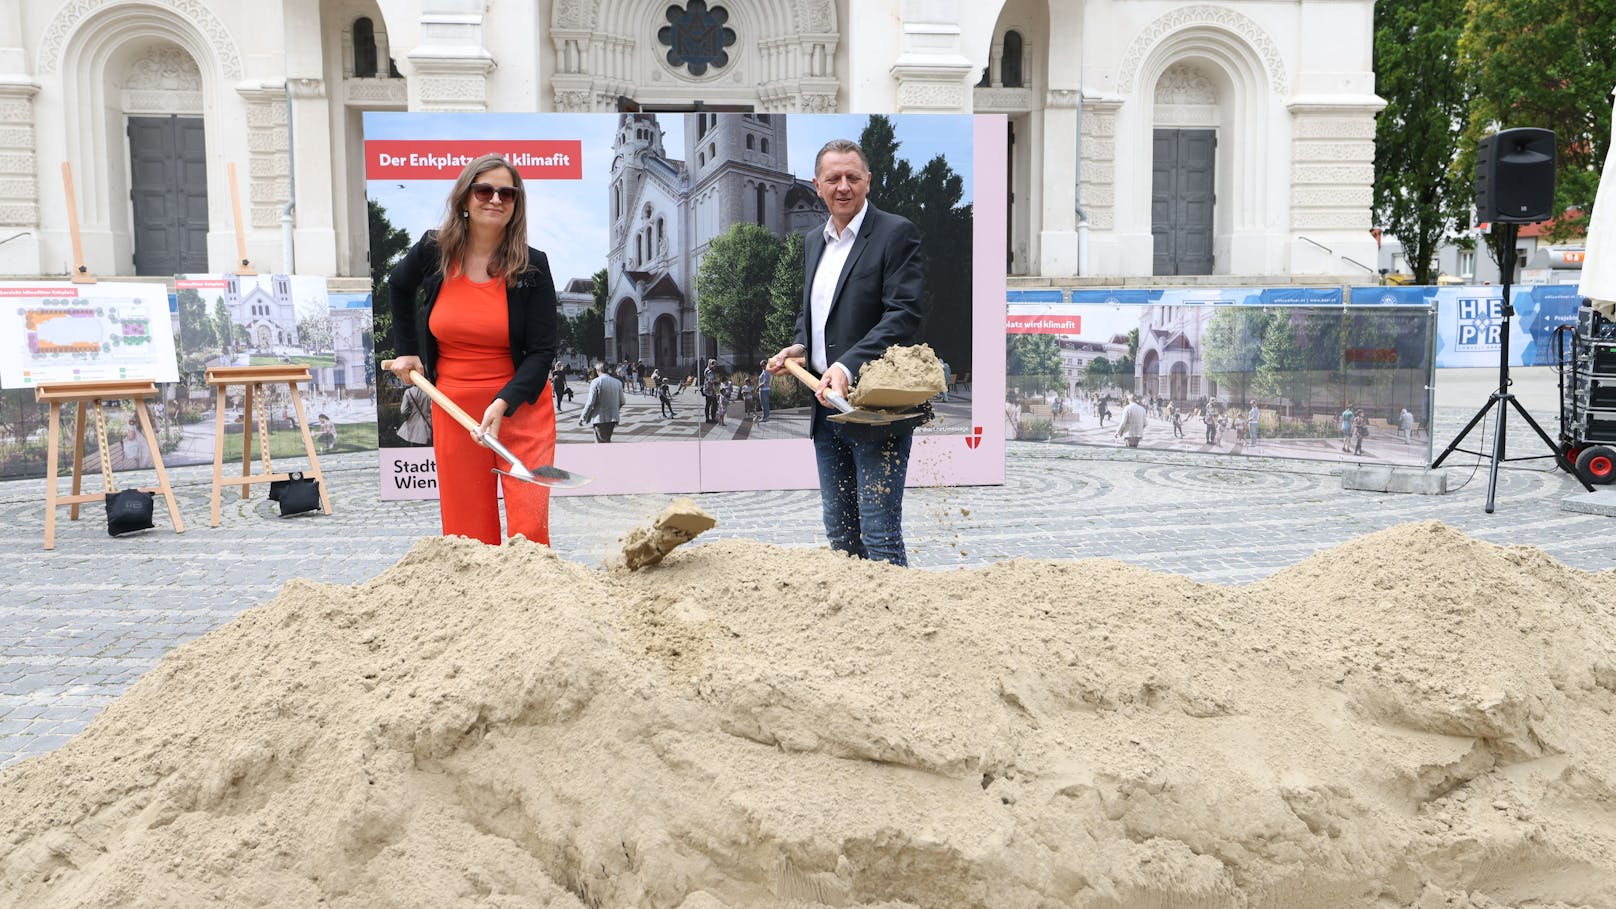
(474, 310)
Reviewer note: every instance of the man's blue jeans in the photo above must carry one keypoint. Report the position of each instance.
(861, 475)
(763, 400)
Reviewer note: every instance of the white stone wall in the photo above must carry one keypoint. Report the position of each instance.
(1293, 103)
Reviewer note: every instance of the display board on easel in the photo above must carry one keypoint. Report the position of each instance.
(85, 343)
(83, 330)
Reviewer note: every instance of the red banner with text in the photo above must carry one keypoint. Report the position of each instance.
(429, 159)
(1043, 325)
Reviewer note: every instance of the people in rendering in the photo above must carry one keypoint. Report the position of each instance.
(1346, 427)
(558, 385)
(862, 283)
(327, 436)
(415, 416)
(604, 405)
(726, 393)
(665, 398)
(765, 389)
(709, 390)
(1405, 425)
(474, 310)
(1132, 426)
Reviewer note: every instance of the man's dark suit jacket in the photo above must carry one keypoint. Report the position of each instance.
(877, 300)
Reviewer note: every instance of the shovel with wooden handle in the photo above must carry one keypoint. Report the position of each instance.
(848, 413)
(545, 475)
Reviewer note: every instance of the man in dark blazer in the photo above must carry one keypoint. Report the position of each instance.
(861, 295)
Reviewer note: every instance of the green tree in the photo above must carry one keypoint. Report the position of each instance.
(566, 341)
(1548, 64)
(890, 176)
(732, 287)
(1282, 366)
(196, 328)
(387, 244)
(589, 334)
(785, 296)
(1033, 363)
(224, 328)
(1418, 196)
(1231, 347)
(945, 243)
(316, 335)
(589, 327)
(1122, 371)
(931, 199)
(1097, 375)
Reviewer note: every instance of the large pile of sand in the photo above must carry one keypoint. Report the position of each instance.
(1412, 719)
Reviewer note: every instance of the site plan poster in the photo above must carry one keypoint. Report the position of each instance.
(65, 332)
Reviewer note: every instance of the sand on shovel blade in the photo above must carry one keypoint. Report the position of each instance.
(899, 379)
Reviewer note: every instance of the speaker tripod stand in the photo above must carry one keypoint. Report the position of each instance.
(1503, 399)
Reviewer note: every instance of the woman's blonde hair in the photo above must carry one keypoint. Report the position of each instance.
(510, 257)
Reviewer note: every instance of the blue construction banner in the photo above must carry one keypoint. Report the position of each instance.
(1470, 319)
(1189, 296)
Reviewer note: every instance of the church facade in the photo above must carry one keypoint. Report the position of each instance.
(666, 211)
(1145, 137)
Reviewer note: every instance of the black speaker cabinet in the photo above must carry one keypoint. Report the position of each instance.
(1601, 360)
(1515, 176)
(1591, 326)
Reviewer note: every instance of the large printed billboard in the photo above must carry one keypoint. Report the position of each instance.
(650, 223)
(1310, 381)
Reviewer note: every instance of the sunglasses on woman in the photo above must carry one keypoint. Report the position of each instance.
(482, 192)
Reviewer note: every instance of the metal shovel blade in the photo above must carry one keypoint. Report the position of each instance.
(544, 475)
(851, 414)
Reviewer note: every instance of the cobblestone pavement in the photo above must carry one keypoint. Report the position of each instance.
(78, 625)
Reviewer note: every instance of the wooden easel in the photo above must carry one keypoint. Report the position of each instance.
(81, 272)
(244, 265)
(254, 378)
(94, 393)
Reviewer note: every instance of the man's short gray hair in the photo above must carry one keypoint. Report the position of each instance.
(842, 146)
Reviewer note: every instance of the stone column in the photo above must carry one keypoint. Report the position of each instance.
(266, 181)
(19, 162)
(932, 74)
(1332, 186)
(572, 29)
(449, 70)
(1057, 236)
(1098, 172)
(314, 234)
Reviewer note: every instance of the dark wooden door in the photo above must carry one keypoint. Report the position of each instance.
(168, 189)
(1182, 182)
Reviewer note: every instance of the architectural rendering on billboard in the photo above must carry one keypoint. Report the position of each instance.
(675, 244)
(1313, 381)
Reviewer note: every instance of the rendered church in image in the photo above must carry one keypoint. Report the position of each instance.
(665, 212)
